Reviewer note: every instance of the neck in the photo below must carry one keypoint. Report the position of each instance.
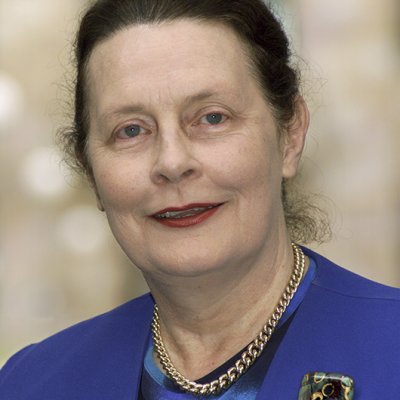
(206, 320)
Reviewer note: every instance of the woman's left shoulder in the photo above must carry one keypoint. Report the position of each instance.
(336, 279)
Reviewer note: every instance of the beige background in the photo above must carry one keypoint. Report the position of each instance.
(58, 261)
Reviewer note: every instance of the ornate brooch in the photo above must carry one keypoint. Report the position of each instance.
(326, 386)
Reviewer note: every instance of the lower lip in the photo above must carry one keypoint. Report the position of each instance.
(187, 221)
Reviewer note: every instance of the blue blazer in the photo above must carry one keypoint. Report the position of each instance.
(345, 324)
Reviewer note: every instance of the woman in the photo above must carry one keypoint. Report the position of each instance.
(188, 124)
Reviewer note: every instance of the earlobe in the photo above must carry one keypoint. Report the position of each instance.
(98, 199)
(294, 139)
(94, 187)
(99, 203)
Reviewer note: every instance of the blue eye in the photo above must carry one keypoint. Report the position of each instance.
(132, 130)
(214, 118)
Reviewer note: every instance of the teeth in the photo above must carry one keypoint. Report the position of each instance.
(184, 213)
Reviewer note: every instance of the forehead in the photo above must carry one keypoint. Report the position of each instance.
(178, 57)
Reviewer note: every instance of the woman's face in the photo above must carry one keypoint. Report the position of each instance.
(185, 151)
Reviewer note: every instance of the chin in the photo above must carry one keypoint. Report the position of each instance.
(184, 266)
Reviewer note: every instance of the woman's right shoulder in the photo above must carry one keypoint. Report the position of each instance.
(105, 337)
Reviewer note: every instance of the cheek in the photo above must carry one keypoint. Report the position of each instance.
(118, 184)
(253, 167)
(122, 197)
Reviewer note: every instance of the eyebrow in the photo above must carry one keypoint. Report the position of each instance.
(200, 97)
(140, 108)
(121, 111)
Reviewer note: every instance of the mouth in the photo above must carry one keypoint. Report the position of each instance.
(191, 214)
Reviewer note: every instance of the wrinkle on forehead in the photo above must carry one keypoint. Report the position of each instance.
(144, 58)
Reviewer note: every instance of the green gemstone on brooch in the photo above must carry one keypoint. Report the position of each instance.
(326, 386)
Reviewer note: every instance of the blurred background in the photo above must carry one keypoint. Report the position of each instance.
(58, 261)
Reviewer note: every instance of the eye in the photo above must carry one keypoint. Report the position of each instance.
(213, 118)
(130, 131)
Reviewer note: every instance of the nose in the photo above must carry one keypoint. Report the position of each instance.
(174, 159)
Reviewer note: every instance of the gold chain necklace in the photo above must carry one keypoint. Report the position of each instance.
(248, 357)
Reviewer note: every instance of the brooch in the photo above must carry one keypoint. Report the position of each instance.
(326, 386)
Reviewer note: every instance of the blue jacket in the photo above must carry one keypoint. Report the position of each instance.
(345, 324)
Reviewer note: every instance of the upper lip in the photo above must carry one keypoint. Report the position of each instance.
(185, 207)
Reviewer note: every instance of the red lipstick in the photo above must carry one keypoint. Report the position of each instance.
(188, 215)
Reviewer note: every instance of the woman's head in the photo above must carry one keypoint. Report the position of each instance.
(265, 47)
(185, 152)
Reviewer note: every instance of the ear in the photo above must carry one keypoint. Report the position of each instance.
(93, 185)
(99, 203)
(294, 139)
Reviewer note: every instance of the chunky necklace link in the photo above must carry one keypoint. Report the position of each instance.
(248, 357)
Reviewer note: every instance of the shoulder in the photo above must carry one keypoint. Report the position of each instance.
(354, 309)
(336, 279)
(131, 314)
(111, 340)
(348, 324)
